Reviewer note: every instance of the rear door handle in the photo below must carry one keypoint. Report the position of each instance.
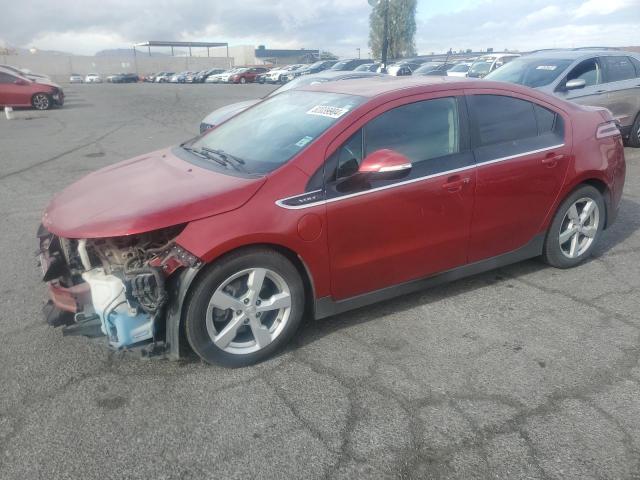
(454, 184)
(552, 159)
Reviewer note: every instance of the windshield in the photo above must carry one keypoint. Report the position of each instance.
(532, 72)
(481, 67)
(428, 67)
(461, 67)
(340, 65)
(271, 133)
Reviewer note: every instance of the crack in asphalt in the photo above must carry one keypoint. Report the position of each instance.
(60, 155)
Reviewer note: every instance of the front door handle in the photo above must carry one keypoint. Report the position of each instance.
(455, 183)
(552, 159)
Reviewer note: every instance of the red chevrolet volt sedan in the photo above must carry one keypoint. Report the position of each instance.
(324, 199)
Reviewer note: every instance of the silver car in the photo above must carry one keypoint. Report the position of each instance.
(602, 78)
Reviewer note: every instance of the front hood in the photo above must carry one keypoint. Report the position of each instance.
(49, 83)
(225, 113)
(145, 193)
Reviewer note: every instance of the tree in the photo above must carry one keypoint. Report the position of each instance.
(402, 28)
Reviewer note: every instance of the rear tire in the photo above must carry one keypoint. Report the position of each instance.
(576, 228)
(634, 134)
(243, 80)
(41, 101)
(244, 308)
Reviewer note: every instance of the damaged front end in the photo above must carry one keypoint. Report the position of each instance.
(113, 286)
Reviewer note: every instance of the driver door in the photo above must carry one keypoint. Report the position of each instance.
(387, 229)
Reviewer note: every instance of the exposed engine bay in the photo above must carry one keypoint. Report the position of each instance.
(117, 283)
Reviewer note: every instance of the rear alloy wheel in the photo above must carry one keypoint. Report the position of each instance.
(243, 80)
(576, 228)
(244, 308)
(41, 101)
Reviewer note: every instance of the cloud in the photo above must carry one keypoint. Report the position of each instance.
(600, 7)
(86, 26)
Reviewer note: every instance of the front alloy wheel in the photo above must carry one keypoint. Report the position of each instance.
(248, 311)
(244, 307)
(41, 101)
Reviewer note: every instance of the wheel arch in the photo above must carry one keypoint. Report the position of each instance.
(181, 288)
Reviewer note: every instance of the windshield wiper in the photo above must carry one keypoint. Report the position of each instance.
(237, 162)
(202, 153)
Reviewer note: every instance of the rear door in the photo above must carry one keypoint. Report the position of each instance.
(12, 94)
(522, 153)
(623, 88)
(386, 231)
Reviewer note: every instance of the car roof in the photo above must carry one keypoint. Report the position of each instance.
(578, 54)
(377, 86)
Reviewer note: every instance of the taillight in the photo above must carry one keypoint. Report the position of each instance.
(608, 129)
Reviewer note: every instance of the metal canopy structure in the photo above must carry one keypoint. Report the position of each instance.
(189, 45)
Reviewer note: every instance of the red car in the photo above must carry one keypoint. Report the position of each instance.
(351, 193)
(247, 75)
(19, 91)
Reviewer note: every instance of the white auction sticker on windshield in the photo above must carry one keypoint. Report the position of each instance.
(328, 111)
(303, 141)
(546, 67)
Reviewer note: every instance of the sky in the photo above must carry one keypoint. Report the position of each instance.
(339, 26)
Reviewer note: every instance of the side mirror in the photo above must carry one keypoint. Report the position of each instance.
(575, 84)
(20, 81)
(384, 162)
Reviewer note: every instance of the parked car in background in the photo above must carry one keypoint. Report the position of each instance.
(433, 68)
(202, 76)
(262, 78)
(109, 78)
(323, 208)
(460, 69)
(125, 78)
(488, 63)
(367, 67)
(349, 64)
(400, 69)
(19, 91)
(93, 78)
(247, 75)
(150, 77)
(294, 73)
(23, 72)
(602, 78)
(316, 67)
(76, 78)
(217, 77)
(224, 113)
(278, 74)
(164, 77)
(180, 77)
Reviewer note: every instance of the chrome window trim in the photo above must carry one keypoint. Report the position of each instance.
(281, 203)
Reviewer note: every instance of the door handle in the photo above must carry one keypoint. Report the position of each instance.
(454, 184)
(552, 159)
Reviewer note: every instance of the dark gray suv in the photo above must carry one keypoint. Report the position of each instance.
(604, 78)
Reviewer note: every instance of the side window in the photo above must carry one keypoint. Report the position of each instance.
(503, 119)
(421, 131)
(636, 64)
(506, 126)
(588, 70)
(6, 78)
(546, 119)
(618, 68)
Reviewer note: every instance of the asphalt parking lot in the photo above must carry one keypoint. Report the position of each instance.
(524, 372)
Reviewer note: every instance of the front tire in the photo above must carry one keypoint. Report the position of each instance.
(41, 101)
(244, 308)
(576, 228)
(243, 80)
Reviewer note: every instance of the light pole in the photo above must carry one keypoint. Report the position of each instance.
(385, 31)
(358, 49)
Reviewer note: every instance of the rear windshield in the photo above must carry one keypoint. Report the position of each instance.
(268, 135)
(532, 72)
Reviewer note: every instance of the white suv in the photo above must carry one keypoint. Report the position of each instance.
(93, 78)
(488, 63)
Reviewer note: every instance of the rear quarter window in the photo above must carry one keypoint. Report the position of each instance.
(618, 68)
